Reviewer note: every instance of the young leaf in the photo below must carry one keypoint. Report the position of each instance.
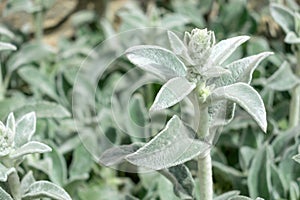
(45, 189)
(11, 123)
(182, 180)
(283, 16)
(30, 148)
(4, 195)
(174, 145)
(283, 79)
(157, 60)
(27, 180)
(5, 172)
(172, 92)
(178, 47)
(6, 46)
(223, 49)
(247, 98)
(25, 128)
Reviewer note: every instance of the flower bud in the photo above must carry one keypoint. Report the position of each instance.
(199, 43)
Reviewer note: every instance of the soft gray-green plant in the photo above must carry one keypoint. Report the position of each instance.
(195, 69)
(15, 144)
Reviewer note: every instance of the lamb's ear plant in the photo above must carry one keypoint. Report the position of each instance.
(195, 69)
(15, 143)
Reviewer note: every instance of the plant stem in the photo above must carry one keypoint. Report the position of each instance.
(295, 97)
(38, 19)
(204, 163)
(14, 185)
(2, 90)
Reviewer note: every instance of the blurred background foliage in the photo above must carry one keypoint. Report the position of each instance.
(53, 37)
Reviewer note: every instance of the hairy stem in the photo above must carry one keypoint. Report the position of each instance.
(295, 97)
(205, 177)
(204, 163)
(14, 185)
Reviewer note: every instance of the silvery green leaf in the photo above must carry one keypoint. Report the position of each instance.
(244, 95)
(30, 148)
(29, 53)
(223, 49)
(46, 189)
(82, 162)
(292, 38)
(44, 109)
(25, 128)
(174, 145)
(27, 180)
(227, 195)
(58, 169)
(259, 165)
(283, 79)
(283, 16)
(294, 191)
(229, 171)
(38, 80)
(241, 70)
(6, 46)
(182, 180)
(4, 195)
(116, 155)
(5, 172)
(172, 92)
(178, 47)
(11, 123)
(173, 20)
(297, 158)
(157, 60)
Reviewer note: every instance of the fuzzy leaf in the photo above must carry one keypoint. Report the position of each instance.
(172, 92)
(5, 172)
(182, 180)
(283, 79)
(223, 49)
(30, 148)
(174, 145)
(157, 60)
(38, 80)
(45, 109)
(4, 195)
(11, 123)
(241, 70)
(29, 53)
(247, 98)
(291, 38)
(227, 195)
(27, 180)
(116, 155)
(178, 47)
(6, 46)
(45, 189)
(25, 128)
(297, 158)
(283, 16)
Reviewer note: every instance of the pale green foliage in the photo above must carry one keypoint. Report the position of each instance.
(15, 144)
